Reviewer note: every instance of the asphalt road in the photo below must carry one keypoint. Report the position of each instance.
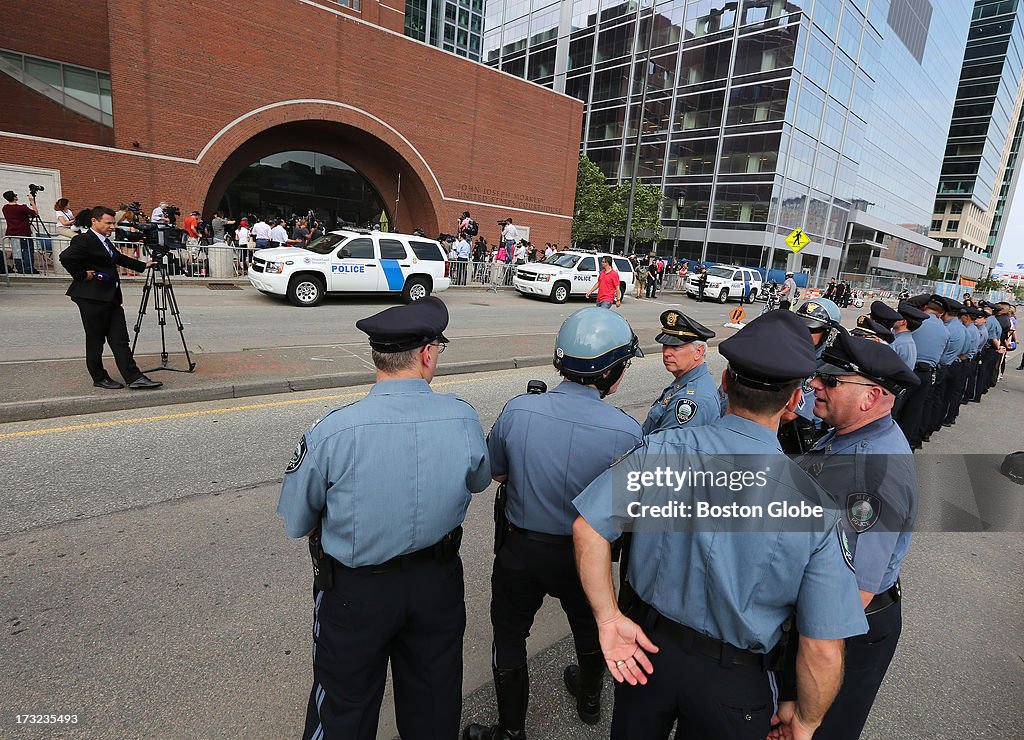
(48, 326)
(146, 585)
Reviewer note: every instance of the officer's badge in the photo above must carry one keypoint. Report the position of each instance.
(811, 307)
(690, 392)
(844, 547)
(559, 352)
(671, 319)
(686, 409)
(298, 456)
(862, 511)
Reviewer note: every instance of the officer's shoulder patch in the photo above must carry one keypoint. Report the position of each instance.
(862, 511)
(298, 456)
(844, 548)
(686, 409)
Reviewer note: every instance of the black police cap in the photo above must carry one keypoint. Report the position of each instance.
(910, 312)
(937, 301)
(770, 351)
(402, 328)
(920, 300)
(884, 314)
(875, 361)
(868, 327)
(677, 328)
(953, 305)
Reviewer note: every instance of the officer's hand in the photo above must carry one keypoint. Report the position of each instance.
(90, 274)
(623, 644)
(787, 724)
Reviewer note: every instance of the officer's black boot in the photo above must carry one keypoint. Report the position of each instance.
(513, 690)
(585, 682)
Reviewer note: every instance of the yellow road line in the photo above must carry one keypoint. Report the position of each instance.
(206, 412)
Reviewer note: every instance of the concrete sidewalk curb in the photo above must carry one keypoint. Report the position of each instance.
(49, 408)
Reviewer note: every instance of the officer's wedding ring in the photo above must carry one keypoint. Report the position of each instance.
(619, 662)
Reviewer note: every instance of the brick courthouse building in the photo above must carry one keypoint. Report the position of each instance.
(109, 101)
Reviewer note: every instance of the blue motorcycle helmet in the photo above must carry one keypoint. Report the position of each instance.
(594, 341)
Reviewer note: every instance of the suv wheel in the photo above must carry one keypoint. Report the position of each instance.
(723, 296)
(560, 293)
(306, 291)
(753, 295)
(415, 289)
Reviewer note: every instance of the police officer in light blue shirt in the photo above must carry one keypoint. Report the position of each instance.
(956, 359)
(930, 338)
(692, 398)
(382, 487)
(935, 406)
(976, 330)
(990, 351)
(800, 429)
(546, 447)
(693, 637)
(867, 466)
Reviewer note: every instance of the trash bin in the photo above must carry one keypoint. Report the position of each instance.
(221, 259)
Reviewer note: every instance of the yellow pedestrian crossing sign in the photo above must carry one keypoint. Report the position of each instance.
(797, 240)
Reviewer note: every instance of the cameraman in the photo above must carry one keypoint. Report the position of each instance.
(158, 216)
(18, 217)
(95, 288)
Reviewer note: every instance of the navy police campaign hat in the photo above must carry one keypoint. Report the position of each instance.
(770, 351)
(401, 328)
(884, 314)
(677, 328)
(868, 327)
(875, 361)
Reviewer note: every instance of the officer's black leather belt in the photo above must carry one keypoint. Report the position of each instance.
(551, 539)
(692, 641)
(440, 552)
(885, 599)
(924, 367)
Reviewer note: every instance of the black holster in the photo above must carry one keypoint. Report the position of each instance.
(323, 564)
(448, 547)
(501, 527)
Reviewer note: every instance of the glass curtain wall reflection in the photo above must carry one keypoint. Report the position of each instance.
(761, 112)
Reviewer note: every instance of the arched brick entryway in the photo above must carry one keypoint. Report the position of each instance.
(372, 147)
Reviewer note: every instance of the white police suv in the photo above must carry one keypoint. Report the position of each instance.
(567, 274)
(725, 282)
(349, 261)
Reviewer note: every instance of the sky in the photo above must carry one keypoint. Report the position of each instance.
(1012, 252)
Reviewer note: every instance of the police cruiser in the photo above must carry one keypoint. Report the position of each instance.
(349, 261)
(569, 273)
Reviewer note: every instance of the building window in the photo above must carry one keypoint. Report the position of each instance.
(956, 207)
(937, 224)
(354, 4)
(84, 91)
(952, 226)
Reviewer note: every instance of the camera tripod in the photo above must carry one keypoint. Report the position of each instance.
(158, 285)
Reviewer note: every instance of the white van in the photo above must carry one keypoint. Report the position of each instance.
(349, 261)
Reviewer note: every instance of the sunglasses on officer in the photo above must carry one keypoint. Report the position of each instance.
(831, 381)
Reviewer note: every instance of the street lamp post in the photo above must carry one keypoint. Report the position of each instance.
(680, 202)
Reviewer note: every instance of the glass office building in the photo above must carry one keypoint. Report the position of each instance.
(767, 115)
(453, 25)
(977, 178)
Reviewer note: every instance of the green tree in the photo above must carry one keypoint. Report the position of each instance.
(934, 273)
(988, 283)
(590, 215)
(646, 225)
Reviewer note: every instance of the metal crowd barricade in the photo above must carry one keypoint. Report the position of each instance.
(488, 273)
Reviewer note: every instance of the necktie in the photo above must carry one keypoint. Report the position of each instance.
(110, 250)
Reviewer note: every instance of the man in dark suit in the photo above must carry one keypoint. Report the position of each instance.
(92, 261)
